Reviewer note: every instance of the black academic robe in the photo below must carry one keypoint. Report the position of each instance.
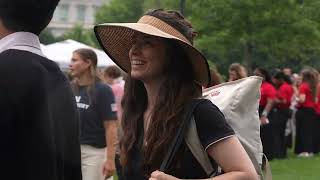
(39, 138)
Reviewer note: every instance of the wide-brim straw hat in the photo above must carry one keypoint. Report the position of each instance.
(116, 39)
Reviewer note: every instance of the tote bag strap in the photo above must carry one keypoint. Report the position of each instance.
(179, 137)
(266, 169)
(197, 150)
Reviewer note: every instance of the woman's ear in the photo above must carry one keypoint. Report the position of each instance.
(88, 63)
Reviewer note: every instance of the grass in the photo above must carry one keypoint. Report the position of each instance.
(115, 177)
(296, 168)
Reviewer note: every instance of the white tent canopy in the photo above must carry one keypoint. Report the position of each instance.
(61, 52)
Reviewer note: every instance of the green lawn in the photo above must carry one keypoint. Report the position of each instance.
(115, 177)
(295, 168)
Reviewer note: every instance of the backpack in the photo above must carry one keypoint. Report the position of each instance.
(238, 101)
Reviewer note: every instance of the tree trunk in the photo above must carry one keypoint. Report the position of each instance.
(157, 3)
(247, 58)
(182, 6)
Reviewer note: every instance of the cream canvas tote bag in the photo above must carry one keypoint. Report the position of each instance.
(239, 102)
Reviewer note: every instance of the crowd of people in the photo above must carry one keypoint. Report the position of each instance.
(292, 100)
(289, 109)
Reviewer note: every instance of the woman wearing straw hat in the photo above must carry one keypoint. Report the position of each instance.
(165, 72)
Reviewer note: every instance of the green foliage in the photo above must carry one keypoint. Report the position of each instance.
(257, 32)
(78, 33)
(164, 4)
(268, 33)
(129, 11)
(120, 11)
(46, 37)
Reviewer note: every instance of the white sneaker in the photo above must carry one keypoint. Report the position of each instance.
(310, 155)
(303, 154)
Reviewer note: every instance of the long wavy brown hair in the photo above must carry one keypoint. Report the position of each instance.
(240, 70)
(177, 89)
(309, 76)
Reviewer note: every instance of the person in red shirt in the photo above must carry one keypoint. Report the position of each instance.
(283, 112)
(266, 111)
(317, 122)
(317, 105)
(305, 116)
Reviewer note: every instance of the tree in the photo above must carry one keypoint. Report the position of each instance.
(129, 11)
(164, 4)
(267, 33)
(46, 37)
(78, 33)
(182, 6)
(120, 11)
(276, 31)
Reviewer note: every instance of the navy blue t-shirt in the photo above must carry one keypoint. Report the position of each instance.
(94, 111)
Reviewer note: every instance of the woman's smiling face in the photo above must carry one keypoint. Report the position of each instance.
(148, 56)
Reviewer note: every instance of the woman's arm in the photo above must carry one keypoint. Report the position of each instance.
(230, 156)
(233, 159)
(111, 139)
(267, 109)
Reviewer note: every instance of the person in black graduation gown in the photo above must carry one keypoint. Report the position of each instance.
(38, 116)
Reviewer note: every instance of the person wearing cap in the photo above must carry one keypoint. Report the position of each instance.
(98, 114)
(165, 72)
(39, 135)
